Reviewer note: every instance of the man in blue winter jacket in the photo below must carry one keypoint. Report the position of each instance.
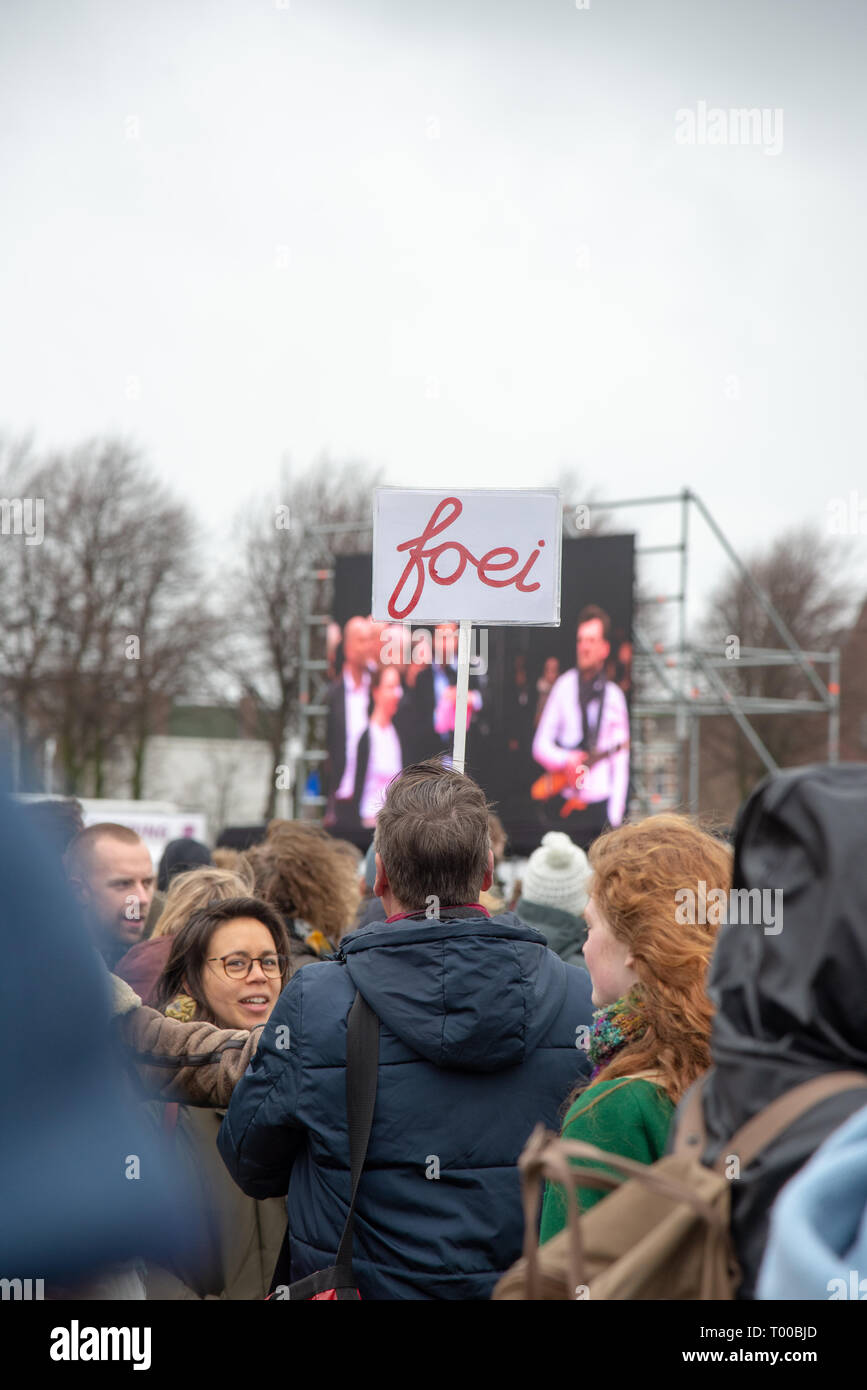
(480, 1031)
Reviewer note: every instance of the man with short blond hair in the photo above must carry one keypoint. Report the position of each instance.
(481, 1032)
(111, 873)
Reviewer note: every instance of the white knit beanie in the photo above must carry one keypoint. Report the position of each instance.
(558, 875)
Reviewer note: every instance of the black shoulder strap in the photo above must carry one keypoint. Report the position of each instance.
(362, 1074)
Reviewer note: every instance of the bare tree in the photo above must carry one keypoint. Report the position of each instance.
(26, 598)
(279, 548)
(104, 615)
(583, 514)
(179, 635)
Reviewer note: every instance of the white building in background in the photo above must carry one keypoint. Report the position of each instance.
(226, 779)
(205, 762)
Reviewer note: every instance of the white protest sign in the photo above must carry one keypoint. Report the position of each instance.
(480, 555)
(475, 555)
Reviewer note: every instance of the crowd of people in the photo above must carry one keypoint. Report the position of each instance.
(581, 998)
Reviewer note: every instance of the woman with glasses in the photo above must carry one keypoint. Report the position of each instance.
(227, 965)
(230, 960)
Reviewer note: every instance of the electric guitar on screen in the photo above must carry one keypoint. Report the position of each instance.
(552, 783)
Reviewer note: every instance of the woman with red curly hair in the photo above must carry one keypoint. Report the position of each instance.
(650, 1037)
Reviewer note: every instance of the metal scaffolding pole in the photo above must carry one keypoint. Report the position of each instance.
(299, 771)
(738, 715)
(694, 755)
(834, 717)
(698, 666)
(762, 598)
(684, 781)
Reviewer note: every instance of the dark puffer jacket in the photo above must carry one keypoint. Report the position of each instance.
(477, 1044)
(790, 1001)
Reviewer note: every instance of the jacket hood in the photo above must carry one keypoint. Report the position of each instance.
(471, 993)
(789, 989)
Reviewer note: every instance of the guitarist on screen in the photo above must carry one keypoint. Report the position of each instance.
(582, 740)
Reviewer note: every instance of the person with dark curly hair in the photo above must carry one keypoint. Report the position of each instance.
(312, 881)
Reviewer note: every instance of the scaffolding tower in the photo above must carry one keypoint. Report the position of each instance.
(686, 681)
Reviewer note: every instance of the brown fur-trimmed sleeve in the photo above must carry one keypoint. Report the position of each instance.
(195, 1063)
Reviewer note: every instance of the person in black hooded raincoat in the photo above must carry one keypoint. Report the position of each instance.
(790, 991)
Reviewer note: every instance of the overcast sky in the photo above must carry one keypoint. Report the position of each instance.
(457, 240)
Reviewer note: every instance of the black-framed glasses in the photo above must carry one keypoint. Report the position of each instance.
(237, 965)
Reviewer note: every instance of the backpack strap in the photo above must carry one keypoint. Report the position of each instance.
(691, 1134)
(764, 1127)
(362, 1075)
(623, 1170)
(541, 1157)
(547, 1156)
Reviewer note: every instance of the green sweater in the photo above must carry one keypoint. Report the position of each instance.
(630, 1117)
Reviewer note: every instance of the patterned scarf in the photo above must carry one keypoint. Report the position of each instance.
(613, 1027)
(182, 1007)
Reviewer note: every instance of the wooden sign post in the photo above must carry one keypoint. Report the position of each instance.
(464, 635)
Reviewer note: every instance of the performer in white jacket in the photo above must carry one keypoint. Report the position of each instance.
(586, 715)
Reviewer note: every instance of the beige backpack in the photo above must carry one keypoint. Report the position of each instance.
(663, 1230)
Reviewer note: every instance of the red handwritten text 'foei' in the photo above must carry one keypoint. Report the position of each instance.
(500, 558)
